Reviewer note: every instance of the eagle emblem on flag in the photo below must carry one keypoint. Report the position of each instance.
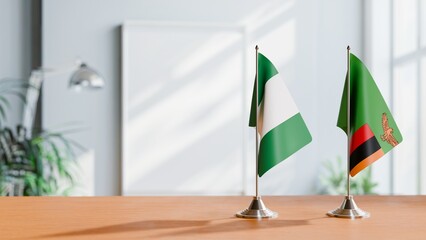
(387, 131)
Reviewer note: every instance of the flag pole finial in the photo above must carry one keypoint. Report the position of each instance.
(257, 47)
(348, 48)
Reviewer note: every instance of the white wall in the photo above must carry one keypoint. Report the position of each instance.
(311, 37)
(15, 47)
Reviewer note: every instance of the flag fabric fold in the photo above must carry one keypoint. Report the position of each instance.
(280, 125)
(373, 131)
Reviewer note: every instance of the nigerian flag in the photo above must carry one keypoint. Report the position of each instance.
(281, 127)
(373, 131)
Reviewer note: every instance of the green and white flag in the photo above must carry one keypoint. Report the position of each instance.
(281, 127)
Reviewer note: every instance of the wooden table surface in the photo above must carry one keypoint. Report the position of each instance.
(301, 217)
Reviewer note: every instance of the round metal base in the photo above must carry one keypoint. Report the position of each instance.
(348, 209)
(257, 209)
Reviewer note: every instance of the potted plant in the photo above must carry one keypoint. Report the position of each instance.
(40, 164)
(333, 180)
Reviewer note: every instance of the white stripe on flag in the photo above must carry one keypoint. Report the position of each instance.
(277, 105)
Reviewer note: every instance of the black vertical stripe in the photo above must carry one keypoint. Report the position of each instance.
(364, 150)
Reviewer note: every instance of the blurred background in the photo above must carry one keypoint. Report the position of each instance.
(172, 115)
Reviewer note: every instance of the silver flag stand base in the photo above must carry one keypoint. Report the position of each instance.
(257, 209)
(348, 209)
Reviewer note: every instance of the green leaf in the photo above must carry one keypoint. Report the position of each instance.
(30, 180)
(4, 101)
(46, 160)
(2, 113)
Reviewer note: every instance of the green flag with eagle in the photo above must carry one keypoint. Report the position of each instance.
(373, 131)
(281, 127)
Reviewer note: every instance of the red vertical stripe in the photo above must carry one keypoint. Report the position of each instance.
(360, 136)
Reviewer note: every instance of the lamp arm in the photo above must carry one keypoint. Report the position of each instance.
(32, 96)
(49, 72)
(83, 75)
(33, 93)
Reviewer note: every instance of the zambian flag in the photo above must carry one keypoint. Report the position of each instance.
(373, 131)
(281, 127)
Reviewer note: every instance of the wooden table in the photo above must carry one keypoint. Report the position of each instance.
(392, 217)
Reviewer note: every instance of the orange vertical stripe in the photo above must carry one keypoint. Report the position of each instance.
(366, 162)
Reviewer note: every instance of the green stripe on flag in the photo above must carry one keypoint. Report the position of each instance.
(281, 142)
(266, 71)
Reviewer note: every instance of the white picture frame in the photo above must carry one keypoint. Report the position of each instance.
(158, 169)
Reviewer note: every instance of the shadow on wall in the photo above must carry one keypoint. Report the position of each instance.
(187, 110)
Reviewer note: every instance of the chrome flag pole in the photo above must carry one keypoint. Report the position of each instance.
(348, 208)
(257, 208)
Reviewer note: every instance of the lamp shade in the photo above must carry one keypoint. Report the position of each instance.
(86, 77)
